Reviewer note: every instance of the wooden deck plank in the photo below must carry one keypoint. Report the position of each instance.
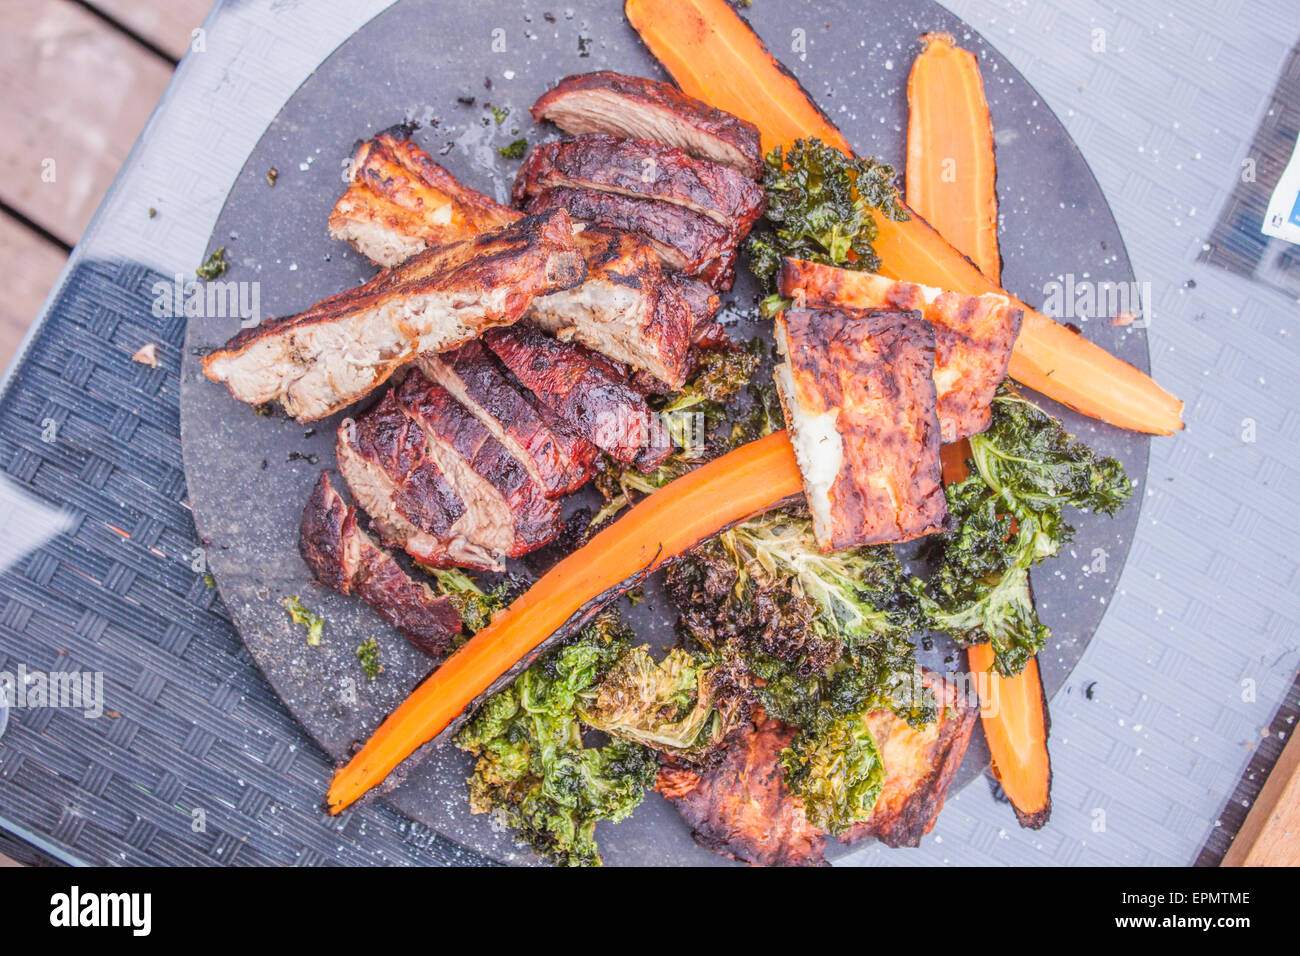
(167, 24)
(29, 264)
(77, 92)
(1271, 834)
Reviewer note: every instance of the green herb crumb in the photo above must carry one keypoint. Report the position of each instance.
(368, 654)
(314, 623)
(214, 267)
(515, 150)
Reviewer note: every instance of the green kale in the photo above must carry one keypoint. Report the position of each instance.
(534, 771)
(214, 267)
(314, 623)
(515, 149)
(1009, 515)
(683, 705)
(474, 605)
(821, 206)
(835, 766)
(367, 653)
(499, 113)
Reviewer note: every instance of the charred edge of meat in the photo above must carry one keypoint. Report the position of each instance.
(434, 302)
(588, 390)
(637, 168)
(343, 558)
(683, 240)
(653, 110)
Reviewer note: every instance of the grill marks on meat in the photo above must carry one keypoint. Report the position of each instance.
(400, 202)
(522, 517)
(627, 309)
(857, 388)
(559, 461)
(683, 240)
(638, 168)
(343, 557)
(631, 106)
(973, 335)
(739, 807)
(587, 391)
(321, 360)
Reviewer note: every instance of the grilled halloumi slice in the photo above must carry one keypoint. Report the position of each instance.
(857, 388)
(973, 335)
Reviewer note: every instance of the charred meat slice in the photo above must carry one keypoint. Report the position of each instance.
(919, 767)
(641, 169)
(858, 392)
(703, 303)
(626, 310)
(683, 240)
(558, 461)
(343, 557)
(973, 335)
(638, 108)
(482, 469)
(587, 390)
(399, 202)
(336, 352)
(739, 807)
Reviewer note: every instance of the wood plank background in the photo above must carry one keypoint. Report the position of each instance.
(78, 81)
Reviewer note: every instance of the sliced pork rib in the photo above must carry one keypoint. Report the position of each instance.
(399, 202)
(587, 390)
(638, 168)
(683, 240)
(343, 557)
(437, 484)
(558, 460)
(336, 352)
(627, 310)
(631, 106)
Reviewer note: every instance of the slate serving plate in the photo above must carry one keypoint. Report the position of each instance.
(443, 64)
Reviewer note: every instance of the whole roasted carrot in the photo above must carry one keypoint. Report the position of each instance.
(714, 56)
(754, 478)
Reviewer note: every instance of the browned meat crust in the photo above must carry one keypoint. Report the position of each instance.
(342, 348)
(638, 108)
(343, 557)
(973, 334)
(400, 202)
(703, 303)
(450, 426)
(637, 168)
(559, 461)
(587, 390)
(858, 392)
(626, 309)
(683, 240)
(739, 807)
(919, 767)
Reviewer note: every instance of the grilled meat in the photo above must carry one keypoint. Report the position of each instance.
(587, 390)
(559, 461)
(703, 303)
(973, 335)
(343, 557)
(437, 484)
(919, 767)
(739, 807)
(638, 108)
(858, 392)
(683, 240)
(399, 202)
(340, 349)
(637, 168)
(626, 310)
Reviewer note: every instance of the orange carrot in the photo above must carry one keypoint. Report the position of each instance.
(754, 478)
(1016, 724)
(951, 171)
(715, 57)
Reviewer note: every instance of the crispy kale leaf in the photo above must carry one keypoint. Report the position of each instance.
(1009, 514)
(474, 605)
(821, 206)
(314, 623)
(684, 705)
(835, 766)
(534, 771)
